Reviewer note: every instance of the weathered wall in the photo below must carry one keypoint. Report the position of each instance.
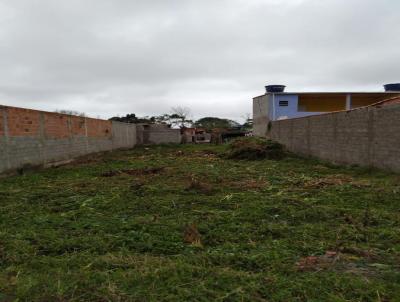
(267, 108)
(153, 134)
(170, 136)
(368, 136)
(260, 115)
(31, 137)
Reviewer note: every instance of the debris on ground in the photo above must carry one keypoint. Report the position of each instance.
(367, 254)
(192, 235)
(199, 186)
(254, 148)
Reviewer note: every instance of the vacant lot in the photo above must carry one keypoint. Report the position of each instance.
(180, 223)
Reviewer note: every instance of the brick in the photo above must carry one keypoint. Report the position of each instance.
(22, 122)
(78, 126)
(98, 128)
(56, 125)
(64, 137)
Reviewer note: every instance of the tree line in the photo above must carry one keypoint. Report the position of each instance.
(180, 118)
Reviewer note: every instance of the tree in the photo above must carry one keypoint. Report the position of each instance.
(133, 119)
(129, 118)
(248, 124)
(71, 112)
(215, 122)
(179, 117)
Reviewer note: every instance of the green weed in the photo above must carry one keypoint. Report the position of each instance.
(180, 223)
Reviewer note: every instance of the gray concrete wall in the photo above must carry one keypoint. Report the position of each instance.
(36, 138)
(260, 115)
(153, 134)
(368, 136)
(170, 136)
(123, 135)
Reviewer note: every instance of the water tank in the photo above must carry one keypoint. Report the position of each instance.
(275, 88)
(392, 87)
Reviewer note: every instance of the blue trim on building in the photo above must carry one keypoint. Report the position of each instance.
(284, 106)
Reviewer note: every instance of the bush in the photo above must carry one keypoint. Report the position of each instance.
(254, 148)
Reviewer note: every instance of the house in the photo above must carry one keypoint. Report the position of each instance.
(202, 136)
(276, 104)
(196, 135)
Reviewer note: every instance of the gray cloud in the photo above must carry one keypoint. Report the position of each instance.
(108, 57)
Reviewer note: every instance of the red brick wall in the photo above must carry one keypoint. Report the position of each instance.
(78, 126)
(98, 128)
(56, 125)
(22, 122)
(26, 122)
(40, 138)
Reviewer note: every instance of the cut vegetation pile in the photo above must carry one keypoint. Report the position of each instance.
(180, 223)
(254, 148)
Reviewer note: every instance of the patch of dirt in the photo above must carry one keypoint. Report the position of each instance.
(136, 172)
(345, 260)
(317, 263)
(192, 235)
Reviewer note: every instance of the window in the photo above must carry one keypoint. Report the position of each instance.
(283, 103)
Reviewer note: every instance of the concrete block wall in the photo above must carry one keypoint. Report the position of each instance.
(368, 136)
(153, 134)
(31, 137)
(260, 115)
(170, 136)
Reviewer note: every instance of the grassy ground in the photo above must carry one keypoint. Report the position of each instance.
(200, 228)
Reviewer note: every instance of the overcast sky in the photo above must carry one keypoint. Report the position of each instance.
(112, 57)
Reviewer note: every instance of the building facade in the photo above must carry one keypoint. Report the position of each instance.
(280, 105)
